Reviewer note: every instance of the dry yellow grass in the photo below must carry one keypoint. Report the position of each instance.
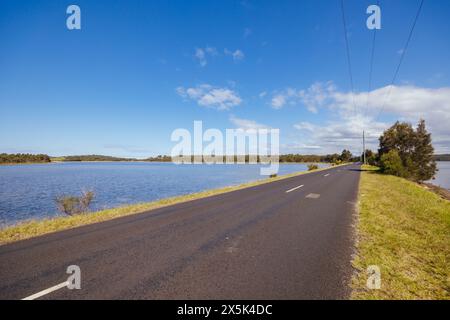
(405, 230)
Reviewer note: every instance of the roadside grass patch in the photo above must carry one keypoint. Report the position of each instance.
(405, 230)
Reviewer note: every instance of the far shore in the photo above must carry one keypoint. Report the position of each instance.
(142, 161)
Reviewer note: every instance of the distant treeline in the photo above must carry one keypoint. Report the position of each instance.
(24, 158)
(159, 158)
(330, 158)
(441, 157)
(345, 156)
(94, 157)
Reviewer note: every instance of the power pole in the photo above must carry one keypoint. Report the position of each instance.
(364, 148)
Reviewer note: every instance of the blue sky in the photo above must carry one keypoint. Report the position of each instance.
(137, 70)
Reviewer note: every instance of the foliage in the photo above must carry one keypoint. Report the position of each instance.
(424, 167)
(94, 157)
(24, 158)
(413, 147)
(312, 167)
(159, 158)
(391, 163)
(345, 156)
(72, 205)
(371, 157)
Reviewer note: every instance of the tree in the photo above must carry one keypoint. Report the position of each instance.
(371, 157)
(400, 137)
(413, 147)
(24, 158)
(345, 156)
(423, 162)
(391, 163)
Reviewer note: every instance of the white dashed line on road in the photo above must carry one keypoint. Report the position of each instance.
(293, 189)
(47, 291)
(326, 175)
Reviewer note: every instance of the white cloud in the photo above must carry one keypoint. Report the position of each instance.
(301, 148)
(211, 51)
(316, 96)
(278, 101)
(312, 98)
(237, 55)
(405, 103)
(262, 94)
(344, 133)
(202, 54)
(247, 124)
(209, 96)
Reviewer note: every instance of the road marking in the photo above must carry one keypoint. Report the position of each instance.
(326, 175)
(293, 189)
(47, 291)
(313, 196)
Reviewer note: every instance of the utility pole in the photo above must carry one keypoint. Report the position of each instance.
(364, 148)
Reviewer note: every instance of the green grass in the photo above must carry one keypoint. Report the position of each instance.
(405, 230)
(35, 228)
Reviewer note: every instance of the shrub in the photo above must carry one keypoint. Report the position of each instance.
(391, 163)
(72, 205)
(273, 175)
(414, 148)
(86, 199)
(312, 167)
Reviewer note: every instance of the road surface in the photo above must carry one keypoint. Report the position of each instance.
(289, 239)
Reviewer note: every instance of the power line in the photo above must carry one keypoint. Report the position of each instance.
(405, 48)
(372, 54)
(348, 55)
(371, 67)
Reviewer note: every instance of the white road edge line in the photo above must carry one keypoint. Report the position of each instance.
(293, 189)
(47, 291)
(326, 175)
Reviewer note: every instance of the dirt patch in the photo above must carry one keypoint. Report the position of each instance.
(444, 193)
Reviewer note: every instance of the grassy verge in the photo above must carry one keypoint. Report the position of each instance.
(35, 228)
(405, 230)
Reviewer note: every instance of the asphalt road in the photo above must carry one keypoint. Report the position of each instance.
(258, 243)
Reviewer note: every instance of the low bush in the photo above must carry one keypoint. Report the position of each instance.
(72, 205)
(391, 163)
(312, 167)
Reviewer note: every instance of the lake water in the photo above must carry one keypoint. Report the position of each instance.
(443, 175)
(28, 191)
